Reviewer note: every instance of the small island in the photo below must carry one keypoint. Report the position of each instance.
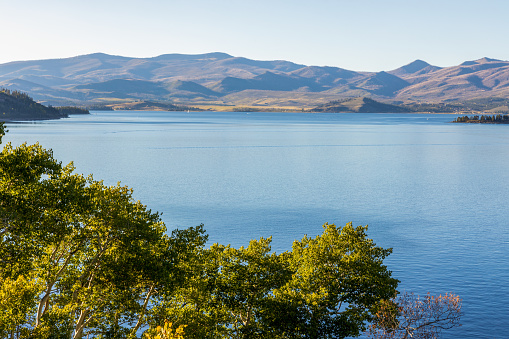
(483, 119)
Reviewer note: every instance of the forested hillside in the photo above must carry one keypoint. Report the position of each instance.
(18, 106)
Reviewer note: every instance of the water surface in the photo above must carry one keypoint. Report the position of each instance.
(434, 191)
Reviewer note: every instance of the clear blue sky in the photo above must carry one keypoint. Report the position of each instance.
(361, 35)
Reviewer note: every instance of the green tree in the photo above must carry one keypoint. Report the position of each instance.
(329, 286)
(338, 281)
(93, 258)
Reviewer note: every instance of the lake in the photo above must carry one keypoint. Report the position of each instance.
(434, 191)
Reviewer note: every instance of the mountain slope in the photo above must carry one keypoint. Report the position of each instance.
(267, 81)
(182, 88)
(381, 83)
(225, 79)
(122, 88)
(480, 78)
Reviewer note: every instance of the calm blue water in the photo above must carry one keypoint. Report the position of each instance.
(435, 192)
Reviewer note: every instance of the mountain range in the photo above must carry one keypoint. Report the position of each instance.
(219, 79)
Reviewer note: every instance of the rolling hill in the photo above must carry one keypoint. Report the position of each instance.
(222, 79)
(360, 105)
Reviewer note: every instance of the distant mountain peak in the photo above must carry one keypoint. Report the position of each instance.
(486, 59)
(418, 63)
(177, 56)
(479, 61)
(413, 67)
(100, 56)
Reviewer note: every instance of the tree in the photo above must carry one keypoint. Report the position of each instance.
(227, 290)
(339, 279)
(91, 258)
(326, 287)
(410, 316)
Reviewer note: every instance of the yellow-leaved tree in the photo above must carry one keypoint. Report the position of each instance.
(166, 332)
(79, 258)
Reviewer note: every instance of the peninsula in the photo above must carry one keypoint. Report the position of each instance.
(19, 106)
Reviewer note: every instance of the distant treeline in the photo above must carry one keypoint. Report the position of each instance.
(100, 108)
(67, 110)
(484, 119)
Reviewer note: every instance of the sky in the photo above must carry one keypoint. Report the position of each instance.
(359, 35)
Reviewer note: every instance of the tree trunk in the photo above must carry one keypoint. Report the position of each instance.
(80, 325)
(142, 313)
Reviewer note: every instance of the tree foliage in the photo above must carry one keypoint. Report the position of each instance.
(166, 332)
(89, 257)
(326, 287)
